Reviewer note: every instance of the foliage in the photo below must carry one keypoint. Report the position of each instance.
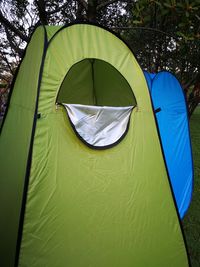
(18, 19)
(191, 222)
(162, 34)
(169, 34)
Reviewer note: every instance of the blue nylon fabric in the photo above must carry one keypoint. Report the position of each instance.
(149, 78)
(172, 120)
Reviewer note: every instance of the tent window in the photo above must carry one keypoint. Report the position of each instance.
(98, 101)
(95, 82)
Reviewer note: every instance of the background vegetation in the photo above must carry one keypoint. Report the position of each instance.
(191, 222)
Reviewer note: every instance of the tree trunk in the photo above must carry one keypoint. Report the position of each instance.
(80, 8)
(42, 12)
(92, 10)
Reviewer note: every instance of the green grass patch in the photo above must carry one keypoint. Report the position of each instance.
(191, 222)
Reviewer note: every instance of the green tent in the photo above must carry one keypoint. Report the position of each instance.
(83, 179)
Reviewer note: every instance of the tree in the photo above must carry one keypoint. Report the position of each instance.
(162, 34)
(18, 19)
(169, 34)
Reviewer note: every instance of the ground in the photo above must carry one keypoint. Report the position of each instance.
(191, 222)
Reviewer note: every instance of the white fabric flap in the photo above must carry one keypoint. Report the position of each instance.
(99, 125)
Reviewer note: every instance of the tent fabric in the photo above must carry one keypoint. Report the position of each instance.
(168, 95)
(14, 146)
(88, 207)
(149, 78)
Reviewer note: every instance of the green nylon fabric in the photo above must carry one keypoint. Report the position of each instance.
(91, 208)
(51, 31)
(77, 87)
(111, 89)
(14, 147)
(95, 82)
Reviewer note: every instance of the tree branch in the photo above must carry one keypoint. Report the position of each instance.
(7, 24)
(190, 82)
(42, 11)
(2, 77)
(7, 62)
(83, 3)
(57, 9)
(12, 43)
(105, 4)
(147, 29)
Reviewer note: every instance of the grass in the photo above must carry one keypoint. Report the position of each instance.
(191, 222)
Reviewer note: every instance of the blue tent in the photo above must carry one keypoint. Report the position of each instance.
(172, 119)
